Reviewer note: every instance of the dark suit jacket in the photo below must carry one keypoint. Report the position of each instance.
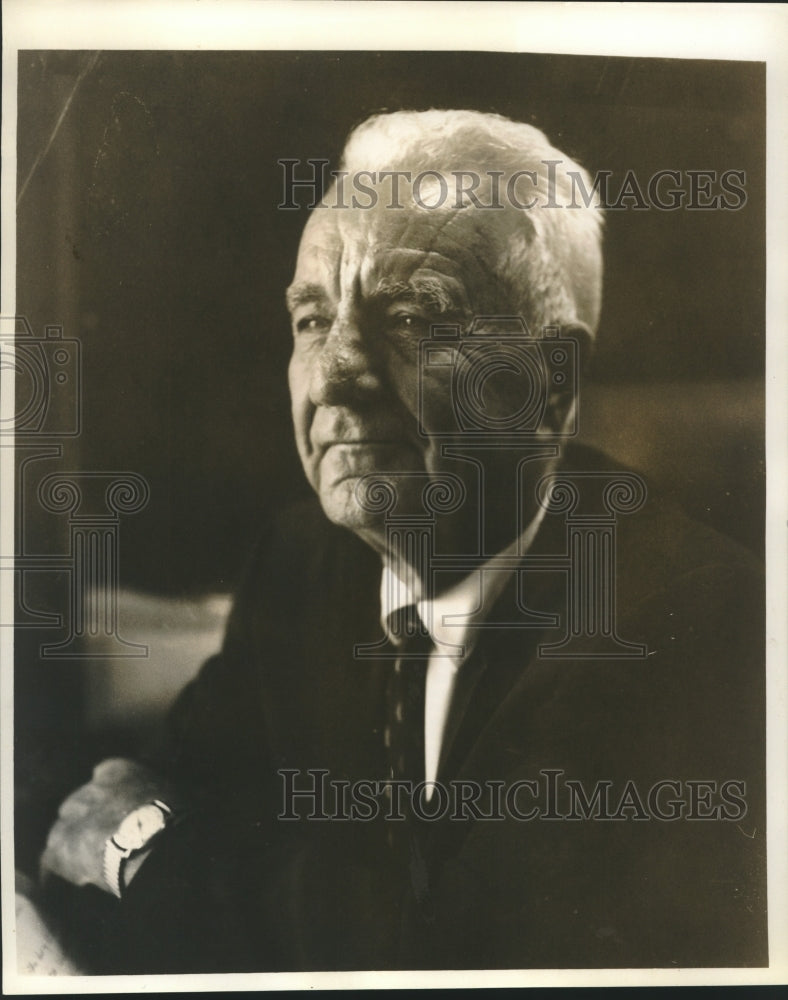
(234, 888)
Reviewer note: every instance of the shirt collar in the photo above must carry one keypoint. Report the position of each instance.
(446, 616)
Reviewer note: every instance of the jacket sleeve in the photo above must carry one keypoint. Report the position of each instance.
(213, 737)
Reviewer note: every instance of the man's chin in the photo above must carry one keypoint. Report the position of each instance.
(342, 504)
(363, 505)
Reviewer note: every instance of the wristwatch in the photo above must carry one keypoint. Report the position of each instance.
(133, 836)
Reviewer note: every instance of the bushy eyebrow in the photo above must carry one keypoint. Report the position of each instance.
(429, 291)
(304, 292)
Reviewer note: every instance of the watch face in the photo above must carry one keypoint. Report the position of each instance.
(139, 827)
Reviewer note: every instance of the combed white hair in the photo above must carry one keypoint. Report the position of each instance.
(553, 262)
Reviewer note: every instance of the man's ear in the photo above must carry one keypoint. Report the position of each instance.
(566, 370)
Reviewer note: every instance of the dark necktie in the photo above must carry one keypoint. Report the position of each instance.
(405, 695)
(404, 739)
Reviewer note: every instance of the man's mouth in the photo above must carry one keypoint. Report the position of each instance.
(361, 443)
(356, 457)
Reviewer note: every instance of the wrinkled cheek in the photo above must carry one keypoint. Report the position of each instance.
(302, 411)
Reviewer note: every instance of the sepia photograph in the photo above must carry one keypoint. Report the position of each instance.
(386, 522)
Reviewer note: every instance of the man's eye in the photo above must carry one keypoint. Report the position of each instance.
(407, 321)
(313, 324)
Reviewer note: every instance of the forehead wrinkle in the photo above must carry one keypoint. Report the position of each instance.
(363, 243)
(452, 217)
(410, 261)
(483, 227)
(413, 258)
(413, 218)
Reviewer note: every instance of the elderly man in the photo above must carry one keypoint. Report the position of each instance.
(459, 720)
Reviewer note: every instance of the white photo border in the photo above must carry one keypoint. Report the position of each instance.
(757, 32)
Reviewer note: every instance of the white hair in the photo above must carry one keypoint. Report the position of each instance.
(552, 263)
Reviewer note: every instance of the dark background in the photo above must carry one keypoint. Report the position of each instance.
(150, 231)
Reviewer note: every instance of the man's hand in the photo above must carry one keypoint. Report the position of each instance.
(91, 814)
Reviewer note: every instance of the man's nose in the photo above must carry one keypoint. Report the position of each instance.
(346, 369)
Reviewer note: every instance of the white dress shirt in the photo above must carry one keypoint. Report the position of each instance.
(451, 620)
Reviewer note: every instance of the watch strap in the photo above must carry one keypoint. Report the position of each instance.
(114, 857)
